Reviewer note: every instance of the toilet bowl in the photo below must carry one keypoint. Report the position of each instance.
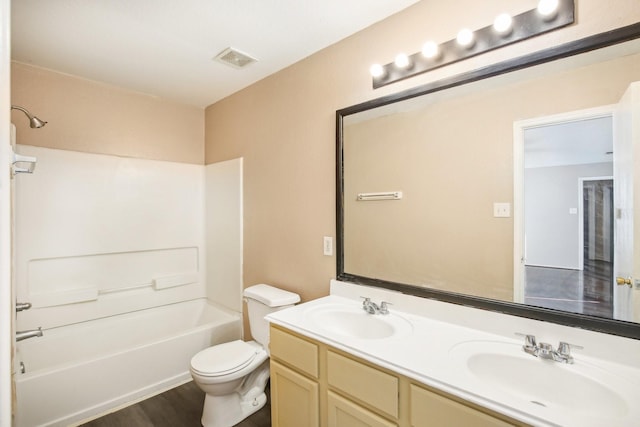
(234, 375)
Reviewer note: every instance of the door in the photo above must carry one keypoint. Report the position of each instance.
(626, 132)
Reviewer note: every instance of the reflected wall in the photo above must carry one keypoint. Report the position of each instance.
(453, 159)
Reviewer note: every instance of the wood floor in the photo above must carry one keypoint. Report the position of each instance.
(589, 291)
(178, 407)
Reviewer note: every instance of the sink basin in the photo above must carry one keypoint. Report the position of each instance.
(353, 322)
(581, 387)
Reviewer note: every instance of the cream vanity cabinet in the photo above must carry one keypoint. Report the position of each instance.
(294, 380)
(316, 385)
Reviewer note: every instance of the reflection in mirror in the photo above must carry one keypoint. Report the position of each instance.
(568, 214)
(510, 188)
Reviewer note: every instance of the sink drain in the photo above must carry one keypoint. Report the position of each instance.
(535, 402)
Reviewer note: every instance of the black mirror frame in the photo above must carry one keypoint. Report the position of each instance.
(609, 326)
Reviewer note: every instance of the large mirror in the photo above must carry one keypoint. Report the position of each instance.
(509, 188)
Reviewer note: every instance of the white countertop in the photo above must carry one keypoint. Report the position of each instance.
(428, 353)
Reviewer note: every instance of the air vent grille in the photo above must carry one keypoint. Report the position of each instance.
(234, 58)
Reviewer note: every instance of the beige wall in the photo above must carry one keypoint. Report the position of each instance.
(284, 126)
(453, 160)
(97, 118)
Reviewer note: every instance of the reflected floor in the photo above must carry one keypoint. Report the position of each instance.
(589, 291)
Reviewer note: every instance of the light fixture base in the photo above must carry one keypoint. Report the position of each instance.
(524, 26)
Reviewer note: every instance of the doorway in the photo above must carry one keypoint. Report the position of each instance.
(589, 288)
(564, 195)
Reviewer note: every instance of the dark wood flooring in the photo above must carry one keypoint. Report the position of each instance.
(178, 407)
(589, 291)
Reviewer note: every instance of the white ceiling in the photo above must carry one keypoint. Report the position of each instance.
(166, 47)
(571, 143)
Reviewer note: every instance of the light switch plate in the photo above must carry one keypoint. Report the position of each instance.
(328, 245)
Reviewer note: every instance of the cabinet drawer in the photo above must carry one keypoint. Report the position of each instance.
(429, 409)
(344, 413)
(296, 352)
(376, 388)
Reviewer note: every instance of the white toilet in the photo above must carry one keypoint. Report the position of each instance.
(234, 374)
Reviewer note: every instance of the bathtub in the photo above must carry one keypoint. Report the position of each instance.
(77, 372)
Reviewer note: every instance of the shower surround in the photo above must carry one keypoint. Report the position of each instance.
(113, 252)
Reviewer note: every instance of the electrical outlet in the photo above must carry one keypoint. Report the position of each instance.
(328, 245)
(502, 210)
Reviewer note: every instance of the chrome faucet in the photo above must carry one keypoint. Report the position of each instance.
(23, 335)
(21, 306)
(373, 308)
(370, 306)
(546, 351)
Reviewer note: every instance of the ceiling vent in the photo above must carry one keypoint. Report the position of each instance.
(234, 58)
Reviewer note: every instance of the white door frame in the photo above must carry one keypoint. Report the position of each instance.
(6, 298)
(519, 128)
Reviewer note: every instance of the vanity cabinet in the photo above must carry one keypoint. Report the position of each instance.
(314, 384)
(294, 380)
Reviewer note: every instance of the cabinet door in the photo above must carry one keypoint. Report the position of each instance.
(294, 398)
(429, 409)
(345, 413)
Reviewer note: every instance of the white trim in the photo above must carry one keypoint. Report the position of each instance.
(518, 181)
(6, 294)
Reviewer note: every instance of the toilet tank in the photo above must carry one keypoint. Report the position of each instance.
(262, 300)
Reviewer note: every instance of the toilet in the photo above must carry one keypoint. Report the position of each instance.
(234, 375)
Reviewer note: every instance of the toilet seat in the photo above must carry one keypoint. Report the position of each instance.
(225, 359)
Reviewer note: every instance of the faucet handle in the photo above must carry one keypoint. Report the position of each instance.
(530, 345)
(564, 348)
(563, 353)
(529, 340)
(366, 300)
(384, 307)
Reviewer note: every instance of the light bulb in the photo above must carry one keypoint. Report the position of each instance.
(402, 61)
(465, 38)
(430, 50)
(503, 24)
(376, 70)
(548, 8)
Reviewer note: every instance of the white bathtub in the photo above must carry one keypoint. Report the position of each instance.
(76, 372)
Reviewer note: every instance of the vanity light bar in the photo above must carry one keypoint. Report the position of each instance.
(389, 195)
(468, 44)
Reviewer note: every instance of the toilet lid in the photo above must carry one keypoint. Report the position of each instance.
(224, 358)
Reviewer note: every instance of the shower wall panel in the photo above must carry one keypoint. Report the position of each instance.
(98, 235)
(224, 213)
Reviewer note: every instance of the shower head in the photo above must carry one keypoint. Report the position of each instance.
(34, 122)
